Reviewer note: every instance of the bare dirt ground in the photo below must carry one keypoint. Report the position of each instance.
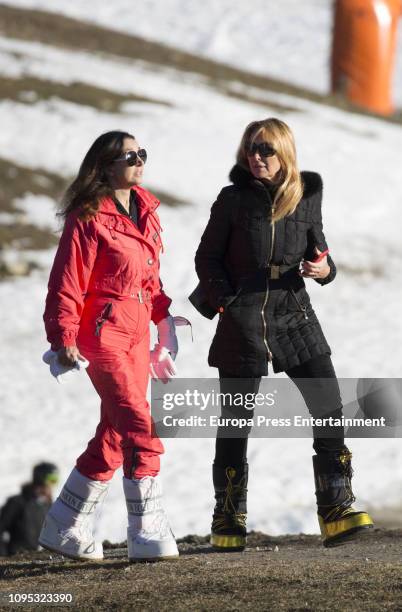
(273, 573)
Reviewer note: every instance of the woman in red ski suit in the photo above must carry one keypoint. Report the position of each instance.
(104, 290)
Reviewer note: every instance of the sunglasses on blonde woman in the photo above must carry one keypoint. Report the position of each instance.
(262, 148)
(130, 157)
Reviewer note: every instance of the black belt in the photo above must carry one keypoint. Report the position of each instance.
(276, 272)
(256, 282)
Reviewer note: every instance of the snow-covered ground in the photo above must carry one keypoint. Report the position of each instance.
(191, 149)
(289, 40)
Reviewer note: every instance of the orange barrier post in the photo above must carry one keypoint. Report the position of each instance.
(363, 52)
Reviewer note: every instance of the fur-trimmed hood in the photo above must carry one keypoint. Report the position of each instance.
(240, 177)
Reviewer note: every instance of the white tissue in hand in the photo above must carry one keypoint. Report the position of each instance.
(62, 372)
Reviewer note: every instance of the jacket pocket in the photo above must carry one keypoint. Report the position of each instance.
(217, 288)
(103, 317)
(228, 301)
(301, 307)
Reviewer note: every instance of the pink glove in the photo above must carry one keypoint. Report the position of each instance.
(162, 366)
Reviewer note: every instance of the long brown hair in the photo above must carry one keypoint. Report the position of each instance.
(279, 135)
(91, 184)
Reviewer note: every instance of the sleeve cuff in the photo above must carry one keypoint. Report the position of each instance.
(160, 308)
(67, 338)
(330, 276)
(159, 315)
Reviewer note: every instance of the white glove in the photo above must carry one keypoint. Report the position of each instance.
(162, 366)
(62, 372)
(167, 336)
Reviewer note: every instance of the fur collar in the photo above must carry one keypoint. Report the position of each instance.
(240, 177)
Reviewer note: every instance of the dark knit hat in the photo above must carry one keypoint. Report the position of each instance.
(45, 473)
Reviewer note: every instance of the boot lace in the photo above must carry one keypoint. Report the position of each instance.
(345, 508)
(230, 516)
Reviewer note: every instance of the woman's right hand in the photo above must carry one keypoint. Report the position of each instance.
(69, 355)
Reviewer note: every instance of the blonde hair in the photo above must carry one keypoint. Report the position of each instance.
(280, 137)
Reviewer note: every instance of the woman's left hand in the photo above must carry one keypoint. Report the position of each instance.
(311, 269)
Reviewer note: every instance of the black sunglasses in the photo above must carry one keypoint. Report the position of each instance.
(130, 157)
(263, 148)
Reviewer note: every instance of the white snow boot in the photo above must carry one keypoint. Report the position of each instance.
(149, 536)
(68, 526)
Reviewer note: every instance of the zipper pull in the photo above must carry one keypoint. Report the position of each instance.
(98, 327)
(103, 317)
(304, 310)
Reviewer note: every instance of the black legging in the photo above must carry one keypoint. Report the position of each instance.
(233, 451)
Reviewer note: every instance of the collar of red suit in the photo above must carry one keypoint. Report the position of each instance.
(146, 202)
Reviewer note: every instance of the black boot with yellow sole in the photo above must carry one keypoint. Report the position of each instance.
(339, 522)
(228, 532)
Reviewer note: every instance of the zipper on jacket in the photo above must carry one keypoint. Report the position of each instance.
(104, 315)
(264, 322)
(302, 308)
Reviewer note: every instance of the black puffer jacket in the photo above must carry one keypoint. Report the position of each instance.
(261, 317)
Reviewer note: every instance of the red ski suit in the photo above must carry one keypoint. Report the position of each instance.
(104, 289)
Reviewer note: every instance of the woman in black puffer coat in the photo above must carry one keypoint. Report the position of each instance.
(263, 238)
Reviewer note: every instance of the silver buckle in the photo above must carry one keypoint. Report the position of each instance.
(274, 272)
(141, 301)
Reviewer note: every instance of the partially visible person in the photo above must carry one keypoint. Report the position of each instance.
(22, 515)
